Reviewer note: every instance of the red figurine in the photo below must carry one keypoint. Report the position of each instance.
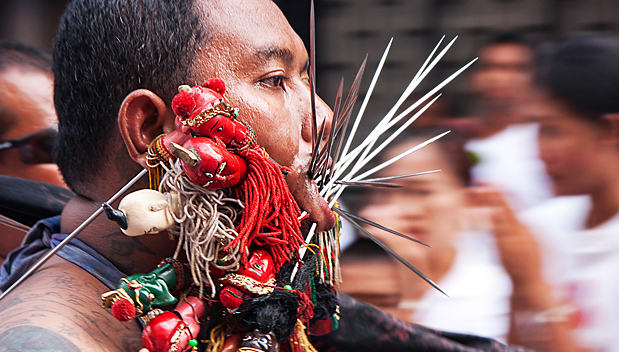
(256, 278)
(174, 331)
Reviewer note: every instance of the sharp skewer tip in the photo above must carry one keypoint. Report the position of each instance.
(389, 250)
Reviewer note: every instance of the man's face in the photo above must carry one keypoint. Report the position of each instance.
(570, 147)
(427, 208)
(28, 96)
(504, 73)
(264, 64)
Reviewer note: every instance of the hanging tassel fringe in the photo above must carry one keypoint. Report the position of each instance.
(270, 219)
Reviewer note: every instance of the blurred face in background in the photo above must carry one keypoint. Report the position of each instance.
(28, 107)
(570, 146)
(426, 208)
(503, 74)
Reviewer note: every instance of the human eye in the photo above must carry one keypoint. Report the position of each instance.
(274, 81)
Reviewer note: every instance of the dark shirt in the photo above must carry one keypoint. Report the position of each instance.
(44, 236)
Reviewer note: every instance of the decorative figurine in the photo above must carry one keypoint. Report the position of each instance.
(142, 212)
(255, 341)
(138, 294)
(239, 227)
(256, 278)
(176, 330)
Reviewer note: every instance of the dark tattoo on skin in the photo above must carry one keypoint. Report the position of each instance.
(34, 338)
(68, 305)
(123, 247)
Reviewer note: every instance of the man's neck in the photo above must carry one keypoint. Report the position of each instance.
(129, 254)
(495, 119)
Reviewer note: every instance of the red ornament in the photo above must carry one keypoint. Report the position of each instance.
(171, 331)
(216, 84)
(259, 266)
(270, 219)
(231, 297)
(183, 103)
(123, 310)
(216, 167)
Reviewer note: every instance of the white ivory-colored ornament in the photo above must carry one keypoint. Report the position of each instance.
(147, 212)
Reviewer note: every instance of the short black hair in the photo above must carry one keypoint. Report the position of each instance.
(106, 49)
(582, 71)
(17, 54)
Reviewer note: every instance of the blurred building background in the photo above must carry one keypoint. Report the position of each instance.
(347, 30)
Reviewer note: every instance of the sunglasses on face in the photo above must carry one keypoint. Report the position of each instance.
(34, 148)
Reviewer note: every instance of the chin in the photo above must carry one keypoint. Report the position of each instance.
(307, 196)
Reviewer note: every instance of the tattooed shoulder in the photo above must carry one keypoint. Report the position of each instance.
(35, 338)
(63, 301)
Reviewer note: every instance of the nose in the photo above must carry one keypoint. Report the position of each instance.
(323, 115)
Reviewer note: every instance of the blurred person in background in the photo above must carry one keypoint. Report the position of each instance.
(27, 116)
(463, 261)
(579, 144)
(504, 140)
(27, 131)
(578, 230)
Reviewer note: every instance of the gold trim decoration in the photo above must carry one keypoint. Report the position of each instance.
(152, 314)
(299, 338)
(250, 284)
(108, 298)
(157, 153)
(176, 338)
(135, 286)
(220, 107)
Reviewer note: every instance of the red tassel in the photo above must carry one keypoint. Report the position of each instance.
(270, 218)
(305, 311)
(216, 84)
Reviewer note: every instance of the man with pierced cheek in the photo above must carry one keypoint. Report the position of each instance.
(117, 65)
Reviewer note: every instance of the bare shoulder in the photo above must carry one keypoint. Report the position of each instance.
(58, 308)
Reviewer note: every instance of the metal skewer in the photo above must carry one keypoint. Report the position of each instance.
(72, 235)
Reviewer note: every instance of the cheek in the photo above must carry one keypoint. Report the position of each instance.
(46, 173)
(275, 126)
(565, 151)
(443, 206)
(444, 209)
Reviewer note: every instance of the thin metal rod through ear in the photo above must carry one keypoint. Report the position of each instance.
(74, 233)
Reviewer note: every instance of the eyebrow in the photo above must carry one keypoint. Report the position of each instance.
(268, 54)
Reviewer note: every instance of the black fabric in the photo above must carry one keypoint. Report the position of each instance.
(364, 328)
(29, 201)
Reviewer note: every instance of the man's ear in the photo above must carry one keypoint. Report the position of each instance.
(612, 122)
(142, 117)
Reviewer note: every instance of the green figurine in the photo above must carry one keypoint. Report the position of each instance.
(138, 294)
